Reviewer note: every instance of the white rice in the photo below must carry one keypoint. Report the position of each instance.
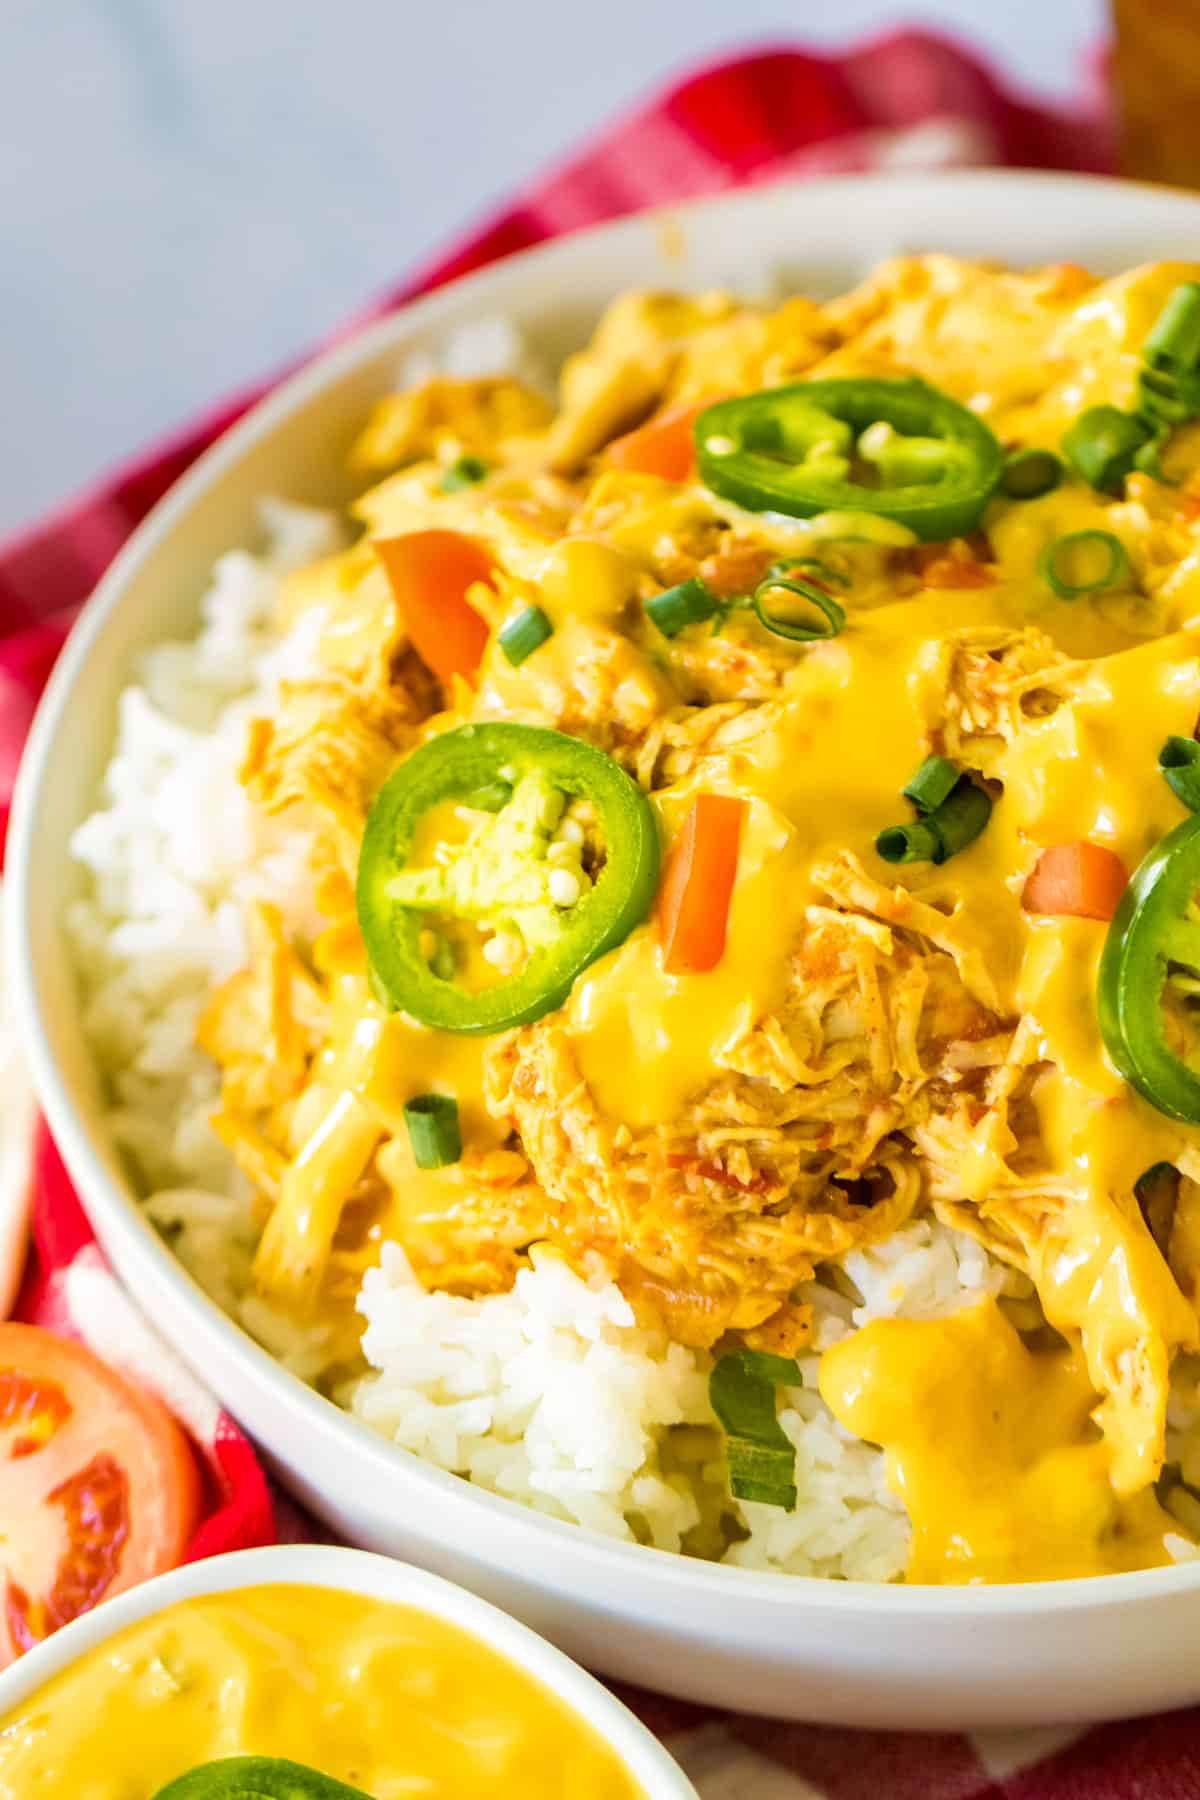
(551, 1394)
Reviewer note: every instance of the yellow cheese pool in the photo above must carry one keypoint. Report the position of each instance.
(383, 1697)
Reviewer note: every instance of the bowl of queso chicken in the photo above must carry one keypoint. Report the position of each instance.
(313, 1674)
(630, 913)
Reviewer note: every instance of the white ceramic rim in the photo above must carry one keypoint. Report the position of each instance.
(376, 1578)
(1175, 211)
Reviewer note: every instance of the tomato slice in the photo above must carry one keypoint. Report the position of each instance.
(99, 1488)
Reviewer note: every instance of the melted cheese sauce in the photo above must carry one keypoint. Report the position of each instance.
(992, 1448)
(385, 1698)
(646, 1040)
(820, 751)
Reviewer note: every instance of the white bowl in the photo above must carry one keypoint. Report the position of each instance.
(843, 1652)
(381, 1579)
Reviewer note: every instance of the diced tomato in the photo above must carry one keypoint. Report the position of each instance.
(692, 913)
(737, 569)
(953, 565)
(1081, 880)
(662, 446)
(99, 1488)
(430, 573)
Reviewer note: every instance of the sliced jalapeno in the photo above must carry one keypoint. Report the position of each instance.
(257, 1778)
(548, 917)
(1150, 975)
(796, 450)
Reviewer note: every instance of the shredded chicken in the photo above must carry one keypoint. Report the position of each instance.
(906, 1050)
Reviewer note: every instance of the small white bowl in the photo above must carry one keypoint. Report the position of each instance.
(848, 1653)
(377, 1578)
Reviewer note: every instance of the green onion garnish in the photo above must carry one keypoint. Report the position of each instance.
(1102, 443)
(1147, 458)
(1174, 338)
(941, 834)
(686, 604)
(761, 1456)
(917, 842)
(520, 636)
(934, 781)
(1165, 399)
(1179, 760)
(464, 472)
(1169, 382)
(433, 1130)
(1072, 553)
(1030, 473)
(832, 612)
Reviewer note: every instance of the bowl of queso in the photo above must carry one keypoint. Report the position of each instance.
(312, 1673)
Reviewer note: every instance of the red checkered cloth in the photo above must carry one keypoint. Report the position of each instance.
(910, 100)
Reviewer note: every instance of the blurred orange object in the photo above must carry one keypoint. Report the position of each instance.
(1156, 71)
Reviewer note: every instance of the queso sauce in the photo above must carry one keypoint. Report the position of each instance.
(871, 1041)
(992, 1448)
(383, 1697)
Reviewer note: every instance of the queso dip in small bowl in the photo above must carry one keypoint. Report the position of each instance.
(311, 1673)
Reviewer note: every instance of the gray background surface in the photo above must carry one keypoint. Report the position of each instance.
(191, 190)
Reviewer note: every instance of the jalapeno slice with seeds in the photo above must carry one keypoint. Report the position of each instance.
(1149, 977)
(549, 918)
(930, 464)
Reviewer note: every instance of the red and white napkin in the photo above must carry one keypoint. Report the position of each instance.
(909, 100)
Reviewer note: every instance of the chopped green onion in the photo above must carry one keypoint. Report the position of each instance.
(1174, 338)
(1166, 399)
(433, 1130)
(761, 1456)
(934, 781)
(917, 842)
(1102, 443)
(941, 834)
(520, 636)
(960, 819)
(831, 610)
(1030, 473)
(1147, 458)
(1058, 558)
(1169, 382)
(686, 604)
(1179, 760)
(466, 471)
